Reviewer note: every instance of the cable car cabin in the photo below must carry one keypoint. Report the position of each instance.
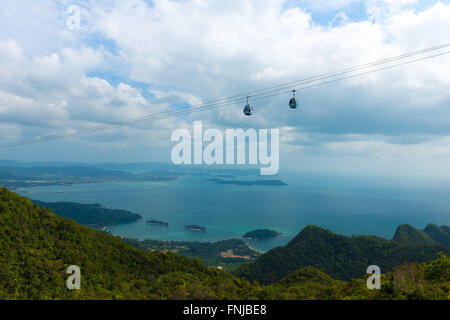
(293, 101)
(248, 110)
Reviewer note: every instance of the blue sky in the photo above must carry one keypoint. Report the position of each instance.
(134, 58)
(327, 12)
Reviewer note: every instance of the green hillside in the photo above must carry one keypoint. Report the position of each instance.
(431, 234)
(407, 233)
(341, 257)
(439, 234)
(37, 246)
(430, 280)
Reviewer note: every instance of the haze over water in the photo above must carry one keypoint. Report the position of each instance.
(345, 205)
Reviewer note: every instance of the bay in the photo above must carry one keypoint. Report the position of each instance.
(345, 205)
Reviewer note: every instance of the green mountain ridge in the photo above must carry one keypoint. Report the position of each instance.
(341, 257)
(407, 233)
(439, 234)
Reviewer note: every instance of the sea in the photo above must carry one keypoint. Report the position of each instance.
(342, 204)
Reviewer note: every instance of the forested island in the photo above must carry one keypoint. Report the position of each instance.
(157, 222)
(261, 234)
(250, 183)
(91, 215)
(195, 227)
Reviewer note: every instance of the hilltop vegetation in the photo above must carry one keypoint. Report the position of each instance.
(430, 280)
(439, 234)
(339, 256)
(407, 233)
(37, 246)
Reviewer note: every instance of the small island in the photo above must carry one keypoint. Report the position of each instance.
(277, 183)
(158, 222)
(261, 234)
(195, 227)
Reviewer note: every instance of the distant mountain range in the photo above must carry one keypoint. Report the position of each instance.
(30, 174)
(103, 165)
(137, 166)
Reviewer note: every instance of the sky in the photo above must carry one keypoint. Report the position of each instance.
(133, 58)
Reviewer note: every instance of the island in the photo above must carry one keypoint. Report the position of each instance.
(261, 234)
(158, 222)
(277, 183)
(91, 215)
(227, 176)
(195, 227)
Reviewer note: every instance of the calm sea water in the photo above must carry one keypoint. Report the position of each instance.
(344, 205)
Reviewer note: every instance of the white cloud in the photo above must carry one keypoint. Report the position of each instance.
(198, 46)
(438, 148)
(381, 9)
(48, 94)
(197, 50)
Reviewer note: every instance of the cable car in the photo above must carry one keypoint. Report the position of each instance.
(248, 110)
(293, 101)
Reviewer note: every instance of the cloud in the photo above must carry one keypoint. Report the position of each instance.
(208, 50)
(51, 94)
(438, 148)
(134, 58)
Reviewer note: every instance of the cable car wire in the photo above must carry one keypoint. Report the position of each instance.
(258, 95)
